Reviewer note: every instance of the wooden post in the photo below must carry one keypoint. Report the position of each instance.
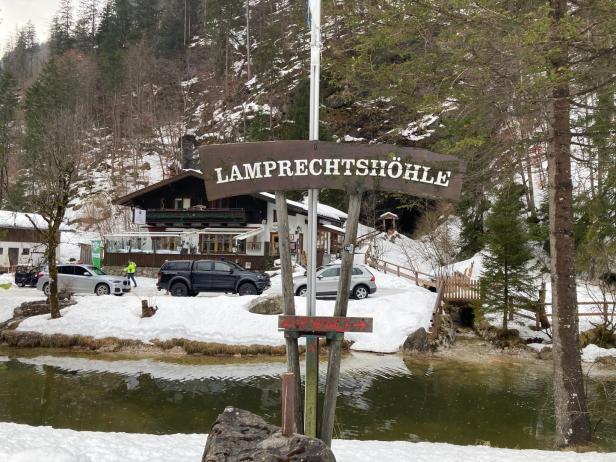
(342, 302)
(288, 403)
(311, 392)
(286, 273)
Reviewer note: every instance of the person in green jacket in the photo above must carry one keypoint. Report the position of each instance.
(130, 271)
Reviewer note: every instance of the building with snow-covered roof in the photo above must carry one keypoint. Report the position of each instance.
(20, 240)
(177, 221)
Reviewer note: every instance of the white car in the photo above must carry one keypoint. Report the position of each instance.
(362, 282)
(86, 279)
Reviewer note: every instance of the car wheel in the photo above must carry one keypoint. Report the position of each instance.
(360, 292)
(179, 289)
(118, 295)
(21, 284)
(247, 289)
(102, 289)
(46, 289)
(301, 291)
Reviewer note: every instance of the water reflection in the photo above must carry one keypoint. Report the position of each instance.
(385, 398)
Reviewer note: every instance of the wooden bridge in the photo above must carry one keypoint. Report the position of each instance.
(458, 287)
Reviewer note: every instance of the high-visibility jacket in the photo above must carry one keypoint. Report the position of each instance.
(131, 267)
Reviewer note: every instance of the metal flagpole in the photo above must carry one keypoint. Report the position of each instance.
(312, 342)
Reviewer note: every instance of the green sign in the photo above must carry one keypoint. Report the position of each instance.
(96, 254)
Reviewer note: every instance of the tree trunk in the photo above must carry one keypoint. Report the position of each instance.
(508, 305)
(572, 418)
(286, 274)
(531, 187)
(342, 302)
(52, 244)
(248, 68)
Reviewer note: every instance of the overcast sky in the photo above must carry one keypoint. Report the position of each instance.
(16, 13)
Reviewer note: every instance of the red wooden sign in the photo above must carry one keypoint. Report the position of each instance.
(324, 324)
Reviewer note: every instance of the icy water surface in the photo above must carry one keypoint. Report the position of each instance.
(382, 397)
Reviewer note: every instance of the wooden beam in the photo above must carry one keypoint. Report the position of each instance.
(288, 297)
(342, 302)
(288, 404)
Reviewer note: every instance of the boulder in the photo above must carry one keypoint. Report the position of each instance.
(417, 341)
(239, 435)
(267, 304)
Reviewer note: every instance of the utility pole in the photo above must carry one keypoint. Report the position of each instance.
(312, 342)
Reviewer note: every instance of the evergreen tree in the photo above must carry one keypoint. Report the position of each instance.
(61, 38)
(505, 274)
(8, 106)
(146, 16)
(87, 24)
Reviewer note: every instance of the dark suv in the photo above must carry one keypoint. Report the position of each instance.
(187, 278)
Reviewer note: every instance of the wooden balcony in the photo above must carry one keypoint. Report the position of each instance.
(194, 217)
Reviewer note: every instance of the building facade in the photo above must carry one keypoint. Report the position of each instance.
(177, 221)
(20, 242)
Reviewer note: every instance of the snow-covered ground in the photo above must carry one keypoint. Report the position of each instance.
(398, 309)
(23, 443)
(12, 297)
(593, 352)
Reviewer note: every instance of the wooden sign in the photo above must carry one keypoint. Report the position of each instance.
(324, 324)
(248, 168)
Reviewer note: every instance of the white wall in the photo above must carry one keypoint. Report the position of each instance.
(294, 222)
(34, 258)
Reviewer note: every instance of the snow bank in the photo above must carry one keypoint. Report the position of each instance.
(23, 443)
(593, 352)
(226, 319)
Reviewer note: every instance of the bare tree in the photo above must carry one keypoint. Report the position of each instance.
(57, 117)
(437, 245)
(54, 182)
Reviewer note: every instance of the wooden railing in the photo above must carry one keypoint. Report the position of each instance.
(420, 278)
(184, 216)
(539, 315)
(365, 237)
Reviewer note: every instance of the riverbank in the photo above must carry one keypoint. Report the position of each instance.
(210, 323)
(23, 443)
(471, 348)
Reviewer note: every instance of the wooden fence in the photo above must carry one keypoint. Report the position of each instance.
(606, 310)
(459, 288)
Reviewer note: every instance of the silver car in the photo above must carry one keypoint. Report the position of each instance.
(362, 282)
(84, 279)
